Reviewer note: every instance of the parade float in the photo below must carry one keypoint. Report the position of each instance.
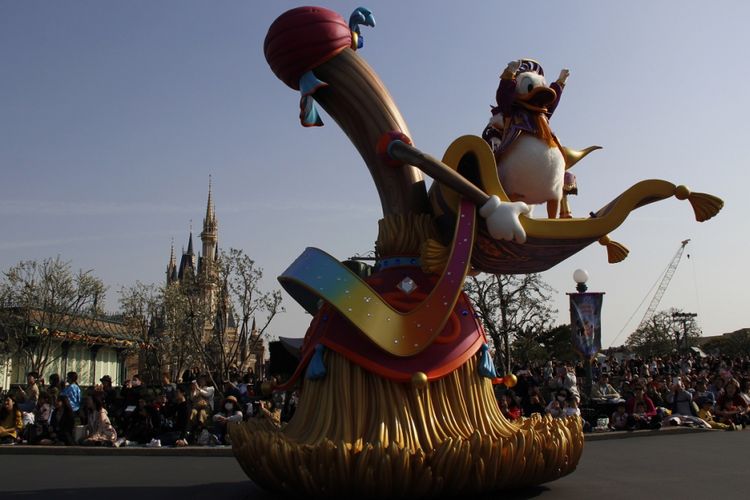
(396, 374)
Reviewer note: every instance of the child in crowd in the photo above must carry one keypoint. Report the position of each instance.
(618, 421)
(706, 414)
(639, 419)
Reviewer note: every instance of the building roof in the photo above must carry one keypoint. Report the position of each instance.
(80, 329)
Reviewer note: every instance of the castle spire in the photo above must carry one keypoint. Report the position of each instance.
(190, 240)
(210, 209)
(172, 261)
(172, 266)
(210, 233)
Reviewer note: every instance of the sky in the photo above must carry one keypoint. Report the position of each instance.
(114, 114)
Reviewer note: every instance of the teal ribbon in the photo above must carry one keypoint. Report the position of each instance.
(316, 370)
(486, 365)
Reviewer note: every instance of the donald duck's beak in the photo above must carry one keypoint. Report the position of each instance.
(539, 97)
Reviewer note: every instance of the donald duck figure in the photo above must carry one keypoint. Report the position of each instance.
(531, 162)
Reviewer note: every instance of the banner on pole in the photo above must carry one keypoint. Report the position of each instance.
(585, 322)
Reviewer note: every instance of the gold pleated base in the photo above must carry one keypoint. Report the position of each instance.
(355, 433)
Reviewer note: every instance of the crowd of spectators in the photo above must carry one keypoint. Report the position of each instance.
(191, 412)
(689, 389)
(686, 390)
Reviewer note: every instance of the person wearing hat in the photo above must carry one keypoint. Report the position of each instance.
(109, 394)
(229, 413)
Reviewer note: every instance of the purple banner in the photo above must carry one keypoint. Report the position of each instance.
(585, 322)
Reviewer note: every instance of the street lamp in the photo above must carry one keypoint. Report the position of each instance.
(585, 323)
(580, 276)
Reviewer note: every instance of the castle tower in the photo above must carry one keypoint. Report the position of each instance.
(210, 234)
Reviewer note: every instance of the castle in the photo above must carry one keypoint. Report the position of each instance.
(204, 269)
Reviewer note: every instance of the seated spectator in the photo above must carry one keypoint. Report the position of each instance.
(505, 401)
(717, 387)
(701, 393)
(61, 423)
(40, 429)
(565, 379)
(731, 408)
(168, 388)
(556, 407)
(681, 401)
(534, 402)
(175, 428)
(640, 419)
(201, 407)
(745, 390)
(11, 421)
(140, 425)
(30, 394)
(232, 389)
(131, 393)
(109, 394)
(200, 389)
(245, 390)
(54, 387)
(658, 392)
(264, 410)
(618, 421)
(73, 392)
(706, 413)
(571, 407)
(649, 410)
(99, 430)
(602, 390)
(626, 390)
(230, 412)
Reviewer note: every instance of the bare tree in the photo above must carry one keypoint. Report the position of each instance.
(662, 334)
(240, 301)
(510, 306)
(141, 309)
(207, 319)
(41, 301)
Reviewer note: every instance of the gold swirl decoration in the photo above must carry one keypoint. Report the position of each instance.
(472, 154)
(358, 434)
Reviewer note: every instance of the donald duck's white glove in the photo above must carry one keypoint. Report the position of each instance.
(502, 219)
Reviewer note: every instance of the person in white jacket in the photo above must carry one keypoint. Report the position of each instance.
(229, 413)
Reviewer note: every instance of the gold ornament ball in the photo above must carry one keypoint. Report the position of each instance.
(681, 192)
(510, 380)
(419, 380)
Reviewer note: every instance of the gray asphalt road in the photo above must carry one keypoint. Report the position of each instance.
(708, 465)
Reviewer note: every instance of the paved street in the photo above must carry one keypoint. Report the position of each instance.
(708, 465)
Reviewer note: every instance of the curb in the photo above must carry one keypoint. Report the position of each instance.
(134, 451)
(226, 451)
(664, 431)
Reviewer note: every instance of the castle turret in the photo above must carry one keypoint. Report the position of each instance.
(187, 262)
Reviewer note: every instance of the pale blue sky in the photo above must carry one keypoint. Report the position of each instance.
(113, 114)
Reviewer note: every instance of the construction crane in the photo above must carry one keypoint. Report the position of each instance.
(663, 285)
